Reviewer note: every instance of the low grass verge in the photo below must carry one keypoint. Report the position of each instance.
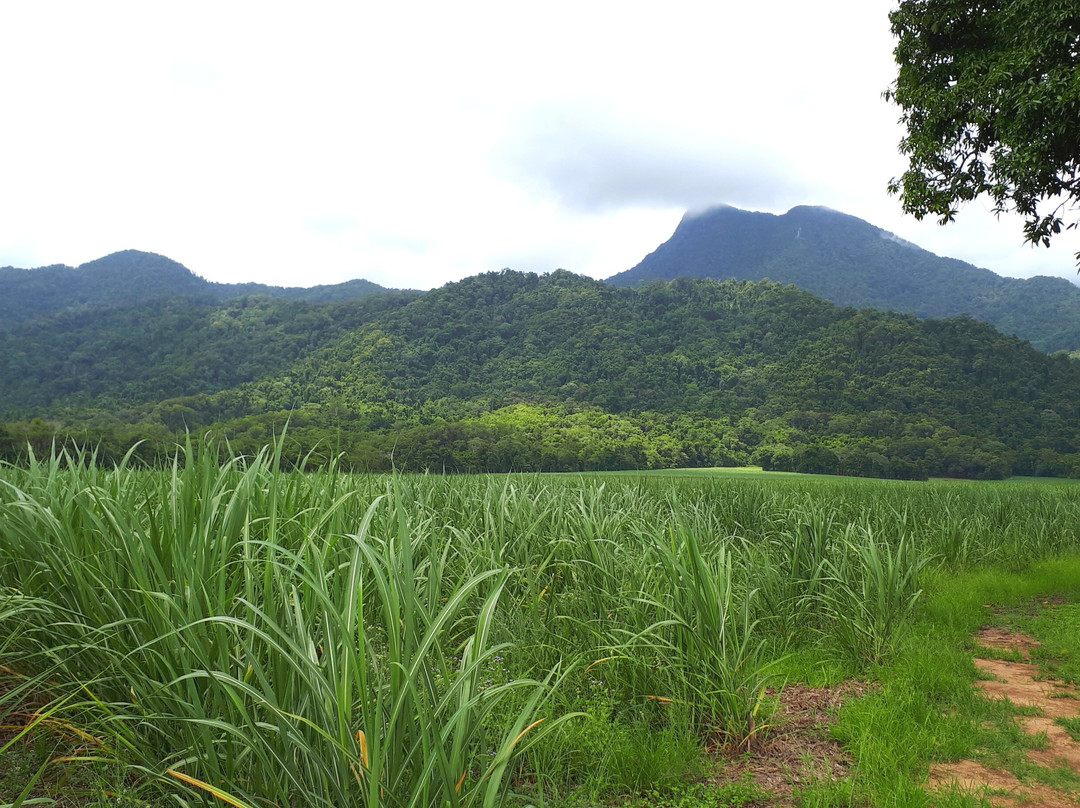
(926, 708)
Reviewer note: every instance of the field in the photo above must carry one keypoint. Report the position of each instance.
(237, 634)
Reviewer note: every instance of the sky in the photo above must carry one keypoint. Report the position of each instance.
(416, 143)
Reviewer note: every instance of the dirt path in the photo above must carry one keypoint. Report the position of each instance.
(797, 750)
(1023, 684)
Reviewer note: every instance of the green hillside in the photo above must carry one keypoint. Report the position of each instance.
(853, 263)
(557, 372)
(114, 357)
(131, 277)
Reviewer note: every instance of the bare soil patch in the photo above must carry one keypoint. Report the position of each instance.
(1024, 685)
(1002, 639)
(796, 749)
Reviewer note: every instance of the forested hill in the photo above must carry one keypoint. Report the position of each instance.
(114, 357)
(853, 263)
(132, 276)
(556, 372)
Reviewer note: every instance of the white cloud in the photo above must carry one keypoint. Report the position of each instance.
(592, 163)
(418, 143)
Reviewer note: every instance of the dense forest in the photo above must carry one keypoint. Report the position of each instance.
(131, 277)
(557, 372)
(853, 263)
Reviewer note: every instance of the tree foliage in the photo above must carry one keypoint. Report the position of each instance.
(515, 371)
(133, 277)
(990, 95)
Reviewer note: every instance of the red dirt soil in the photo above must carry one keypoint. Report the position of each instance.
(796, 750)
(1019, 682)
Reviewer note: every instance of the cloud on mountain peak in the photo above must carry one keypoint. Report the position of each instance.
(594, 161)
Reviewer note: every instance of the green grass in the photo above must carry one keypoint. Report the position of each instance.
(1071, 726)
(1057, 625)
(927, 709)
(701, 795)
(237, 632)
(716, 473)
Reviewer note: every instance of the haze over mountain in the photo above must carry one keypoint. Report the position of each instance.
(853, 263)
(132, 276)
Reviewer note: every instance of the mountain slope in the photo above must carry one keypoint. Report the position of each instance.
(120, 356)
(132, 277)
(853, 263)
(497, 368)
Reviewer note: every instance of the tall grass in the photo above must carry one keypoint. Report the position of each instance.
(875, 587)
(793, 567)
(220, 627)
(231, 631)
(707, 636)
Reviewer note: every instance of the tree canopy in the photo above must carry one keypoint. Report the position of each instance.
(990, 96)
(515, 371)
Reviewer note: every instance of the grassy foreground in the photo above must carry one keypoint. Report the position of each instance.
(241, 635)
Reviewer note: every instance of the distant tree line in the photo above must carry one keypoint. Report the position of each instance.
(514, 371)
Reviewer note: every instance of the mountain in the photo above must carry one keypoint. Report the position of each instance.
(132, 277)
(853, 263)
(116, 356)
(513, 370)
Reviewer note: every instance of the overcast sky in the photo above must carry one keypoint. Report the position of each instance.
(417, 143)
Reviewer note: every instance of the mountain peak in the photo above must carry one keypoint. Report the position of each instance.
(131, 277)
(855, 263)
(138, 262)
